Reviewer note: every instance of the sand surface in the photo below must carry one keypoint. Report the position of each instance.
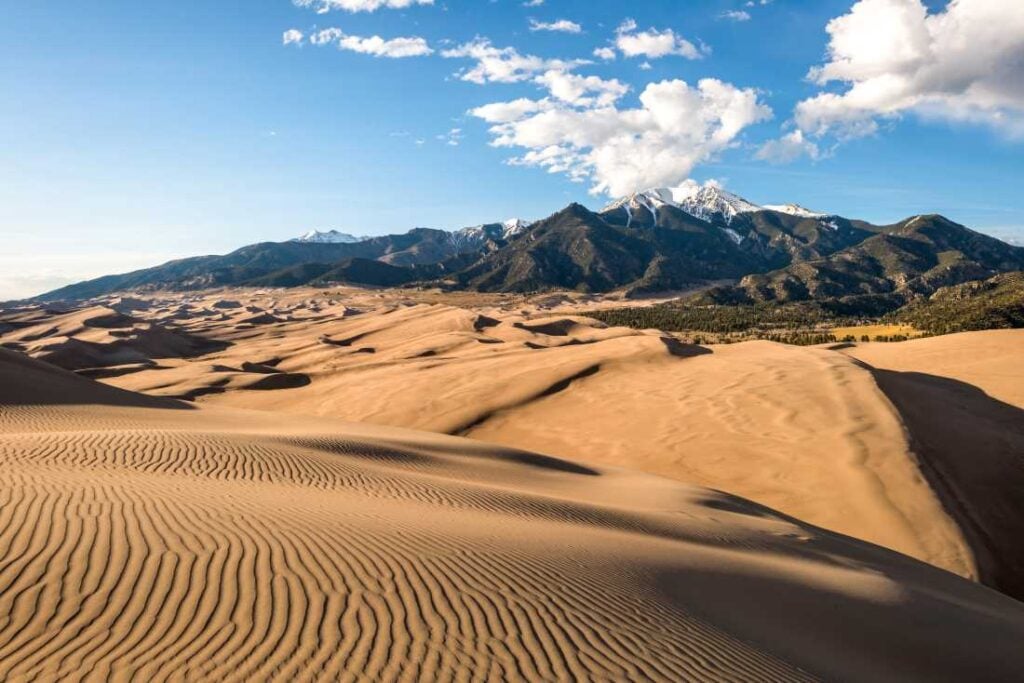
(815, 433)
(145, 539)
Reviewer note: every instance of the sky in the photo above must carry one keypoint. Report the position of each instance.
(132, 133)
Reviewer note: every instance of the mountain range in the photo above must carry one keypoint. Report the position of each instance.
(647, 242)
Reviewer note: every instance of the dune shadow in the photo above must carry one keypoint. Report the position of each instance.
(551, 390)
(279, 381)
(483, 322)
(682, 350)
(563, 384)
(548, 462)
(27, 381)
(555, 328)
(970, 447)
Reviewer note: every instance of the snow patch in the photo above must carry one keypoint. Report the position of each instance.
(328, 237)
(795, 210)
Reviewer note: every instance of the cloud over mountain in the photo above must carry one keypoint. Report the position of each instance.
(620, 150)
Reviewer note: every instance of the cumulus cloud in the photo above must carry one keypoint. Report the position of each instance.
(292, 36)
(789, 147)
(965, 63)
(394, 48)
(620, 150)
(654, 44)
(324, 6)
(560, 26)
(503, 65)
(606, 53)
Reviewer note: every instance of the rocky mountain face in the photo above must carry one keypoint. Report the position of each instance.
(912, 258)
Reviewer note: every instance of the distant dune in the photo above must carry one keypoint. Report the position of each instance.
(141, 540)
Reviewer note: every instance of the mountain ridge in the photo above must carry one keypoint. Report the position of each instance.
(657, 240)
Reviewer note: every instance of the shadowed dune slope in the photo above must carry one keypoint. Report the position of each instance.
(992, 361)
(962, 399)
(26, 381)
(219, 544)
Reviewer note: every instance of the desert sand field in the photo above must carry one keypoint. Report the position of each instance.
(144, 538)
(239, 497)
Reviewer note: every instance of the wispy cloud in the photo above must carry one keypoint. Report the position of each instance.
(394, 48)
(324, 6)
(503, 64)
(735, 15)
(560, 26)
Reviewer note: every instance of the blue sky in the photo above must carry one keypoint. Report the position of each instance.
(134, 132)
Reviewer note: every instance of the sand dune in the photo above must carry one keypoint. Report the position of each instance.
(804, 431)
(151, 542)
(962, 399)
(812, 432)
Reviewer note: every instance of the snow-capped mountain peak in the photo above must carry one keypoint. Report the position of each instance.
(795, 210)
(710, 202)
(327, 237)
(706, 203)
(478, 235)
(514, 226)
(648, 200)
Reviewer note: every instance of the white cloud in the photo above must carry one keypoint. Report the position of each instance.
(326, 36)
(618, 151)
(605, 53)
(394, 48)
(560, 26)
(735, 15)
(789, 147)
(533, 3)
(507, 112)
(324, 6)
(503, 65)
(582, 91)
(654, 44)
(292, 36)
(379, 47)
(965, 63)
